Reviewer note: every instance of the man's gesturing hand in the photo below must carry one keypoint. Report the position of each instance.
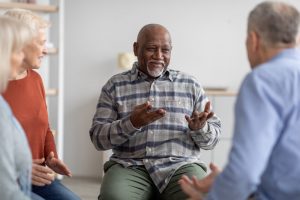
(194, 188)
(142, 116)
(198, 119)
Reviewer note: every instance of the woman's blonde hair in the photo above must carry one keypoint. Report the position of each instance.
(14, 35)
(32, 20)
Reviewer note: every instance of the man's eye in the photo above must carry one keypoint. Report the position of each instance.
(166, 50)
(151, 49)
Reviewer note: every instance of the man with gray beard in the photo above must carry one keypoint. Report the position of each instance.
(156, 121)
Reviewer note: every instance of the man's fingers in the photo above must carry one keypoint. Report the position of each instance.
(210, 115)
(200, 184)
(206, 114)
(190, 190)
(203, 116)
(143, 106)
(195, 114)
(187, 179)
(207, 107)
(188, 119)
(199, 116)
(214, 168)
(155, 115)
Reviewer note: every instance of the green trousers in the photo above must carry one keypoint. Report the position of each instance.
(120, 183)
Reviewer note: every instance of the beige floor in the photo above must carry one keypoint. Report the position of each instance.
(85, 188)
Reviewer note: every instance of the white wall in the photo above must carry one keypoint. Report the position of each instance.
(208, 42)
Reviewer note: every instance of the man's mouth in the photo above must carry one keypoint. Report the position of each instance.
(157, 64)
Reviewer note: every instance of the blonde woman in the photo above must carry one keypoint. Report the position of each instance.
(26, 96)
(15, 156)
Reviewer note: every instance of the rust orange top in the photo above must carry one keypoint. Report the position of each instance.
(26, 98)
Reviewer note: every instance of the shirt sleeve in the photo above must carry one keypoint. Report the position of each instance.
(257, 128)
(207, 137)
(9, 188)
(50, 144)
(107, 130)
(49, 139)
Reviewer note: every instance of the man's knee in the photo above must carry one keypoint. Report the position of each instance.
(126, 183)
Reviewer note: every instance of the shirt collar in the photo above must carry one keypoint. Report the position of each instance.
(136, 74)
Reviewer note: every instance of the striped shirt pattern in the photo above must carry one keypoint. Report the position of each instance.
(163, 145)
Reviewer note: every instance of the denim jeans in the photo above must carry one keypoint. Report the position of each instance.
(54, 191)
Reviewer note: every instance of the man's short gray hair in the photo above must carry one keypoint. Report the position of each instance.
(276, 23)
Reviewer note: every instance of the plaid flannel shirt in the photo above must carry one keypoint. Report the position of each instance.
(163, 145)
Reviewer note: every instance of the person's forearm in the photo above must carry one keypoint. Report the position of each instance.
(50, 144)
(109, 135)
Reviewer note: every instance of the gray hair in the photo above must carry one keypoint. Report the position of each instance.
(32, 20)
(276, 23)
(14, 35)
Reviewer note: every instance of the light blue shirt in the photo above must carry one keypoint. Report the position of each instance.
(265, 157)
(15, 157)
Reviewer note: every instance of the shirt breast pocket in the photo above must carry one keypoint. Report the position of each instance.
(176, 109)
(125, 109)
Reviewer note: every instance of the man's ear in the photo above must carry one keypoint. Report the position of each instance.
(135, 48)
(255, 40)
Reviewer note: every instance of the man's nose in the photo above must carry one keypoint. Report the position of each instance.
(158, 54)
